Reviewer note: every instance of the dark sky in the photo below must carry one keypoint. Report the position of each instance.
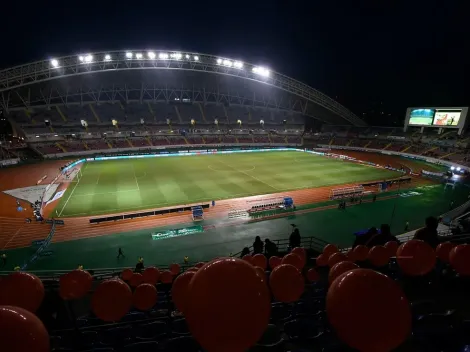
(401, 53)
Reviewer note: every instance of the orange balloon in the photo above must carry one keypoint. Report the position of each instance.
(111, 300)
(300, 251)
(21, 289)
(144, 297)
(261, 273)
(21, 330)
(179, 290)
(392, 247)
(293, 259)
(368, 311)
(199, 265)
(228, 306)
(248, 258)
(443, 251)
(416, 257)
(336, 258)
(379, 256)
(75, 284)
(136, 279)
(312, 275)
(175, 269)
(459, 259)
(126, 274)
(166, 277)
(361, 253)
(322, 260)
(274, 261)
(330, 249)
(151, 275)
(260, 260)
(339, 269)
(287, 283)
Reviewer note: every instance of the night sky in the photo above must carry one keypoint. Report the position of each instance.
(362, 53)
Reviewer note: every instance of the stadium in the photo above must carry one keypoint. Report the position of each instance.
(178, 158)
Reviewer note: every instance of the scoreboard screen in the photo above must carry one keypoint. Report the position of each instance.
(447, 117)
(421, 117)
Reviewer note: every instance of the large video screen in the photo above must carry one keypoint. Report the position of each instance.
(447, 117)
(421, 117)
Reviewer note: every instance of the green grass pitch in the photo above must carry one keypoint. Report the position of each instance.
(115, 186)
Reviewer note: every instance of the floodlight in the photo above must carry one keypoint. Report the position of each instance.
(129, 55)
(138, 56)
(219, 61)
(81, 58)
(261, 71)
(238, 64)
(177, 56)
(187, 57)
(458, 169)
(452, 168)
(163, 56)
(228, 63)
(151, 55)
(54, 63)
(107, 57)
(88, 58)
(196, 58)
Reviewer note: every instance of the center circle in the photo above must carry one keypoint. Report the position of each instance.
(228, 168)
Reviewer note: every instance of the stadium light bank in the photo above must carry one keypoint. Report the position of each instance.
(152, 55)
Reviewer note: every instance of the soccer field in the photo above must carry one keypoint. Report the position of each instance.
(115, 186)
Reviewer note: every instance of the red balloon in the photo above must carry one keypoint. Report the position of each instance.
(261, 273)
(379, 256)
(459, 259)
(151, 275)
(416, 257)
(126, 274)
(336, 258)
(260, 260)
(274, 261)
(21, 289)
(175, 269)
(443, 251)
(193, 269)
(228, 306)
(361, 253)
(144, 297)
(322, 260)
(330, 249)
(166, 277)
(287, 283)
(111, 300)
(136, 279)
(75, 284)
(248, 258)
(300, 251)
(339, 269)
(312, 275)
(179, 290)
(199, 265)
(368, 311)
(392, 247)
(351, 255)
(21, 330)
(293, 259)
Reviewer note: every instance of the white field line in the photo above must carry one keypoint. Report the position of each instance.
(103, 193)
(13, 237)
(135, 177)
(73, 190)
(98, 180)
(247, 174)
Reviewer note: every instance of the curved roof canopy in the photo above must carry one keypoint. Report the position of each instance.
(58, 79)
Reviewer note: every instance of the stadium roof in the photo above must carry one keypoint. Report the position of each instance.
(135, 75)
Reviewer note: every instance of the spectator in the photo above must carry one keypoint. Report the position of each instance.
(140, 265)
(428, 233)
(258, 245)
(366, 239)
(294, 238)
(270, 248)
(245, 251)
(383, 237)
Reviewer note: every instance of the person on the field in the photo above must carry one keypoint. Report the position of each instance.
(407, 226)
(120, 253)
(4, 259)
(428, 233)
(186, 259)
(294, 238)
(258, 245)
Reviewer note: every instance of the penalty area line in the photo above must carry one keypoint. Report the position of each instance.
(73, 190)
